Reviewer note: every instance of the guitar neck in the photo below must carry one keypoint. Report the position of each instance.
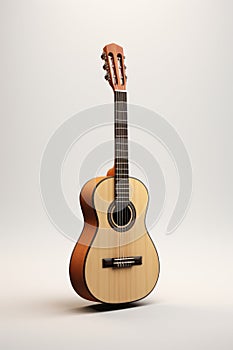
(121, 148)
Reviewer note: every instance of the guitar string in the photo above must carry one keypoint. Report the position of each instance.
(125, 164)
(122, 185)
(123, 168)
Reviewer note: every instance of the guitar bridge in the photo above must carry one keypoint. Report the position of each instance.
(118, 263)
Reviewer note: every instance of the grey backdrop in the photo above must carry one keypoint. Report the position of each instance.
(179, 58)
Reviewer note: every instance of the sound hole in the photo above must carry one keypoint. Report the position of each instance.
(121, 218)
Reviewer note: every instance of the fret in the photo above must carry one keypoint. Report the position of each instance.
(120, 200)
(122, 195)
(123, 121)
(122, 189)
(123, 192)
(121, 124)
(121, 134)
(119, 196)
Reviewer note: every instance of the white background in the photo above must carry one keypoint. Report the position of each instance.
(179, 59)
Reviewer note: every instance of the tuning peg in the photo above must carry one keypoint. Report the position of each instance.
(124, 66)
(105, 67)
(107, 77)
(103, 56)
(126, 77)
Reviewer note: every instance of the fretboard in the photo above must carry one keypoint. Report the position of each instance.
(121, 149)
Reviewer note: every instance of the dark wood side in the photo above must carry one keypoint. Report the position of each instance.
(78, 258)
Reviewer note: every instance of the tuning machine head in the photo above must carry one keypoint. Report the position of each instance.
(103, 56)
(107, 77)
(105, 67)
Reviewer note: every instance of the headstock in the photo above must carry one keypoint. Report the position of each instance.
(113, 56)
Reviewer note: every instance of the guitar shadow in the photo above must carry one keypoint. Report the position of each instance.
(66, 306)
(99, 308)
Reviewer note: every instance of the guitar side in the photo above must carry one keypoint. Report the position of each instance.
(78, 258)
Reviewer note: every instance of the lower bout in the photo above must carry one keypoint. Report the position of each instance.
(122, 284)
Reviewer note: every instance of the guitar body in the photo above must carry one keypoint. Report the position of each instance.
(111, 263)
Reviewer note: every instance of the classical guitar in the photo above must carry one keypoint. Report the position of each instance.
(115, 260)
